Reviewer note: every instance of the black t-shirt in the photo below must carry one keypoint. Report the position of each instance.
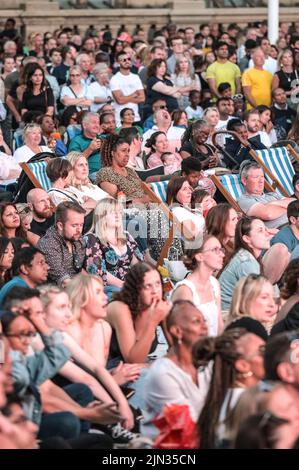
(289, 323)
(152, 95)
(194, 152)
(286, 79)
(60, 73)
(38, 102)
(40, 228)
(283, 117)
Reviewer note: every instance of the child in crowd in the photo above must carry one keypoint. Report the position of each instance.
(204, 199)
(225, 90)
(194, 111)
(171, 163)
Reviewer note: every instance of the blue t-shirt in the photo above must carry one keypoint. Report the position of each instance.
(14, 282)
(287, 237)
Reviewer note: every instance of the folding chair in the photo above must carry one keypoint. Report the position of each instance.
(275, 162)
(36, 172)
(175, 224)
(158, 191)
(231, 187)
(144, 174)
(277, 165)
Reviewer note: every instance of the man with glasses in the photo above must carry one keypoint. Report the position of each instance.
(126, 87)
(177, 48)
(157, 104)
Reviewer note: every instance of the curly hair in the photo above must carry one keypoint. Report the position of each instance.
(109, 145)
(290, 280)
(130, 293)
(224, 351)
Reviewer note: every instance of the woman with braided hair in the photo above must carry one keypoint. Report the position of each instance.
(194, 143)
(237, 357)
(115, 176)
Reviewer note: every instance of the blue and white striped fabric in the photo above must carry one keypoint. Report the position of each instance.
(160, 189)
(39, 171)
(233, 185)
(277, 160)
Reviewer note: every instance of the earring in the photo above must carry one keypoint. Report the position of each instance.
(180, 341)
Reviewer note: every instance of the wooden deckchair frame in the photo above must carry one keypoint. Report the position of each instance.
(27, 170)
(228, 196)
(275, 183)
(171, 218)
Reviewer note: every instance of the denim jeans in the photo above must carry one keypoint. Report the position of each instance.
(65, 424)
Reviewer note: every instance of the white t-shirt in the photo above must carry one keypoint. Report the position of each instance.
(167, 383)
(92, 191)
(183, 214)
(66, 91)
(24, 153)
(194, 113)
(9, 169)
(95, 90)
(127, 84)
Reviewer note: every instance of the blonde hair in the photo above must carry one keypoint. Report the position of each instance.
(73, 158)
(280, 56)
(47, 292)
(28, 129)
(100, 69)
(79, 290)
(246, 291)
(208, 111)
(177, 66)
(75, 68)
(100, 216)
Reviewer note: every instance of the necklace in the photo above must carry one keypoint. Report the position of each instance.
(288, 76)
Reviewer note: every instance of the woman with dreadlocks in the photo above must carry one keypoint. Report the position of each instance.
(194, 143)
(237, 357)
(115, 176)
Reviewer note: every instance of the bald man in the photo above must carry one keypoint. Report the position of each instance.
(39, 201)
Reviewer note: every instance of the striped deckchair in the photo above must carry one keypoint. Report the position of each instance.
(159, 188)
(231, 187)
(277, 164)
(36, 172)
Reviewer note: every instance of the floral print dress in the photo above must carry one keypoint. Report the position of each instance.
(102, 259)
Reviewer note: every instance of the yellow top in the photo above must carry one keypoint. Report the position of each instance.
(227, 72)
(260, 82)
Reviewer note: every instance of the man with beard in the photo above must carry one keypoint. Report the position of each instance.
(258, 139)
(39, 202)
(63, 245)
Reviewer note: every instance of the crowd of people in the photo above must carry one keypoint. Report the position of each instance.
(114, 308)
